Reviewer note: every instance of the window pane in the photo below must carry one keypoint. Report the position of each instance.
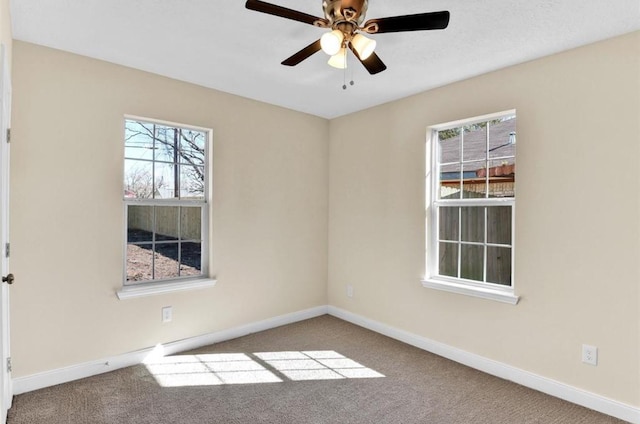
(165, 180)
(192, 145)
(190, 255)
(450, 181)
(501, 178)
(501, 142)
(499, 224)
(139, 223)
(472, 225)
(166, 260)
(474, 187)
(191, 182)
(138, 179)
(167, 222)
(165, 144)
(448, 259)
(449, 219)
(139, 263)
(475, 142)
(138, 141)
(449, 145)
(499, 265)
(449, 156)
(190, 223)
(472, 262)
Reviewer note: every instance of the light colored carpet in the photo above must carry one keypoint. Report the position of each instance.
(390, 382)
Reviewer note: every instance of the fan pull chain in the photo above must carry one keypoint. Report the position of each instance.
(344, 74)
(344, 71)
(351, 82)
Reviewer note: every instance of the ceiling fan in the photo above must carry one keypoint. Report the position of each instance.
(345, 20)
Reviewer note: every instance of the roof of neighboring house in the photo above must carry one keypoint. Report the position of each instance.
(474, 146)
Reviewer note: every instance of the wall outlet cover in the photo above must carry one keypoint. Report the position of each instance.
(589, 354)
(167, 314)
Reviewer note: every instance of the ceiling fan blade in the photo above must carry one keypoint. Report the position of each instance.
(283, 12)
(418, 22)
(303, 54)
(373, 64)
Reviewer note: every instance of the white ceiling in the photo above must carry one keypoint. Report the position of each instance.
(221, 45)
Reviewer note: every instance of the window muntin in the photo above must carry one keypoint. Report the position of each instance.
(165, 188)
(473, 202)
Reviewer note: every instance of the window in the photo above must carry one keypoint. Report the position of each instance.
(165, 202)
(471, 205)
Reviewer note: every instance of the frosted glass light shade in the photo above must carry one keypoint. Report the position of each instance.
(331, 42)
(363, 45)
(339, 60)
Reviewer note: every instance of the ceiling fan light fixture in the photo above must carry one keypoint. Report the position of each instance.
(331, 42)
(363, 45)
(343, 21)
(339, 60)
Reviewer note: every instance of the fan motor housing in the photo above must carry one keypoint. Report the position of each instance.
(337, 11)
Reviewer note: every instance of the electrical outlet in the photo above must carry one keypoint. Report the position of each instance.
(167, 314)
(589, 354)
(349, 290)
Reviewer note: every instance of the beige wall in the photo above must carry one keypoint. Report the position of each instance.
(269, 212)
(577, 217)
(5, 28)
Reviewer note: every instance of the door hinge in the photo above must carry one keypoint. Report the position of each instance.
(8, 135)
(9, 366)
(7, 250)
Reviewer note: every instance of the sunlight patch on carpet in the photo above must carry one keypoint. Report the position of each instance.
(316, 365)
(263, 367)
(208, 370)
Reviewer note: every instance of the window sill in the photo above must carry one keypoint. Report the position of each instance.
(505, 296)
(130, 292)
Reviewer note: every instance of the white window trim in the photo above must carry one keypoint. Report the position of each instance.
(506, 296)
(130, 291)
(481, 290)
(151, 289)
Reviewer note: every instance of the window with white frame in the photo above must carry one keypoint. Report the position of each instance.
(165, 201)
(471, 206)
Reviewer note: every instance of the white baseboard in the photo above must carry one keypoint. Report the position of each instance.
(88, 369)
(525, 378)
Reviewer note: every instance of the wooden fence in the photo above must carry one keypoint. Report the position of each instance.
(170, 221)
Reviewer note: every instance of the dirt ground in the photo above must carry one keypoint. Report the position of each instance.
(141, 259)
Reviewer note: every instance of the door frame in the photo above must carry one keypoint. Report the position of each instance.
(6, 388)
